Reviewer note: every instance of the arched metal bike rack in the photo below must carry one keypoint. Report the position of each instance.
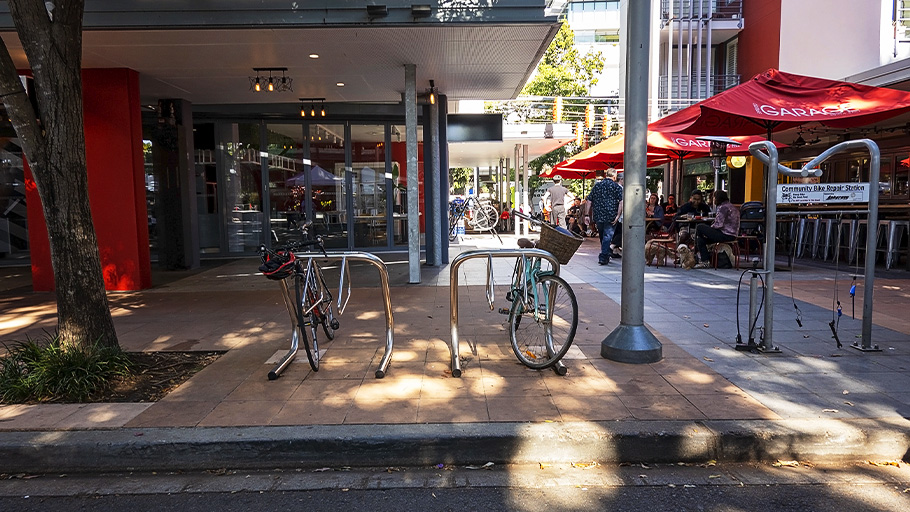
(344, 258)
(453, 290)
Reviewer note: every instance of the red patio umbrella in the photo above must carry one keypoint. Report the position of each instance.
(775, 101)
(662, 147)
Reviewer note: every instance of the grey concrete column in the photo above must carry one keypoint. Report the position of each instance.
(435, 170)
(443, 185)
(631, 341)
(410, 129)
(175, 212)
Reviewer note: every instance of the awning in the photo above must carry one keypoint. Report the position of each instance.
(775, 101)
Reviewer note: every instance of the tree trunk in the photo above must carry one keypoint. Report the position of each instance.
(53, 141)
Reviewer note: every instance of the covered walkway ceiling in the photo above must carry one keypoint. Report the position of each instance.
(205, 53)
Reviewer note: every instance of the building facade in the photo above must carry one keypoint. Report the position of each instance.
(209, 128)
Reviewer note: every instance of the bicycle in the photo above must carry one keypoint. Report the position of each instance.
(484, 218)
(311, 304)
(543, 317)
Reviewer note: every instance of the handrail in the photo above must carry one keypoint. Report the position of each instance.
(453, 287)
(344, 257)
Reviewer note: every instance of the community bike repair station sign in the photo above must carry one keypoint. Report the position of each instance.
(823, 193)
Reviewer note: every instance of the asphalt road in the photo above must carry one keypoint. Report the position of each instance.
(736, 487)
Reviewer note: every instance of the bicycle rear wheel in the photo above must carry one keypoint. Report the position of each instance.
(540, 341)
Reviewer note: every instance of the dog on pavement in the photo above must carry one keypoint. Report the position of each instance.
(686, 258)
(654, 250)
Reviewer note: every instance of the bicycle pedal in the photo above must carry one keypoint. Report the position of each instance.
(504, 311)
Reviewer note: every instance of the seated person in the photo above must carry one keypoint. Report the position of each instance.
(590, 229)
(653, 210)
(724, 228)
(573, 216)
(695, 206)
(670, 208)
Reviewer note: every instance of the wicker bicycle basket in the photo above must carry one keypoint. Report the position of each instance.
(558, 243)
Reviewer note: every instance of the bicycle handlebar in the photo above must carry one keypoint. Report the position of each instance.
(525, 216)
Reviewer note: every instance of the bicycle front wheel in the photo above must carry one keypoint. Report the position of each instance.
(542, 327)
(312, 349)
(453, 226)
(485, 218)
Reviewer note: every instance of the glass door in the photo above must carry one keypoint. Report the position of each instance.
(287, 180)
(324, 167)
(240, 187)
(370, 185)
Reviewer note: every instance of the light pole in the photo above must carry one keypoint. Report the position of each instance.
(718, 154)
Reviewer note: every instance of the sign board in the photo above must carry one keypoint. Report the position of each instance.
(801, 193)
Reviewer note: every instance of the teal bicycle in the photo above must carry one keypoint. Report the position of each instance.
(543, 317)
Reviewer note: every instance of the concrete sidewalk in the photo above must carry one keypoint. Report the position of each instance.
(703, 401)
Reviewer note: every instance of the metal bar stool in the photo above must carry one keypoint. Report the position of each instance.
(858, 229)
(896, 229)
(824, 230)
(807, 237)
(844, 233)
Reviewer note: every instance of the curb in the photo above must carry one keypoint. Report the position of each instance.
(162, 449)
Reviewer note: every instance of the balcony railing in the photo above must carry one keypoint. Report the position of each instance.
(689, 9)
(674, 96)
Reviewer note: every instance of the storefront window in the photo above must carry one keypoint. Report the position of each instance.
(13, 225)
(242, 185)
(327, 179)
(400, 182)
(369, 185)
(287, 182)
(900, 187)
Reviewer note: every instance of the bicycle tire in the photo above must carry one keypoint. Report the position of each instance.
(312, 352)
(453, 225)
(308, 320)
(485, 218)
(328, 322)
(541, 341)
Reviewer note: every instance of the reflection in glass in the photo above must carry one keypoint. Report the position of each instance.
(287, 186)
(369, 185)
(243, 189)
(400, 181)
(326, 176)
(899, 188)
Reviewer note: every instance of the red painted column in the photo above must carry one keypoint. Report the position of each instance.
(116, 181)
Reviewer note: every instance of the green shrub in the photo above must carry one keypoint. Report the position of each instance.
(48, 371)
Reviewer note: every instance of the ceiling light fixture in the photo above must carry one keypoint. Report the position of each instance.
(312, 106)
(339, 84)
(272, 82)
(314, 55)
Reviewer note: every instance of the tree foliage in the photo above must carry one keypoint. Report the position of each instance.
(563, 70)
(52, 138)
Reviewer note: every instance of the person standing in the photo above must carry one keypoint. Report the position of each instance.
(724, 229)
(606, 203)
(557, 196)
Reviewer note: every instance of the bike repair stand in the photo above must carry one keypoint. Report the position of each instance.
(754, 305)
(766, 153)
